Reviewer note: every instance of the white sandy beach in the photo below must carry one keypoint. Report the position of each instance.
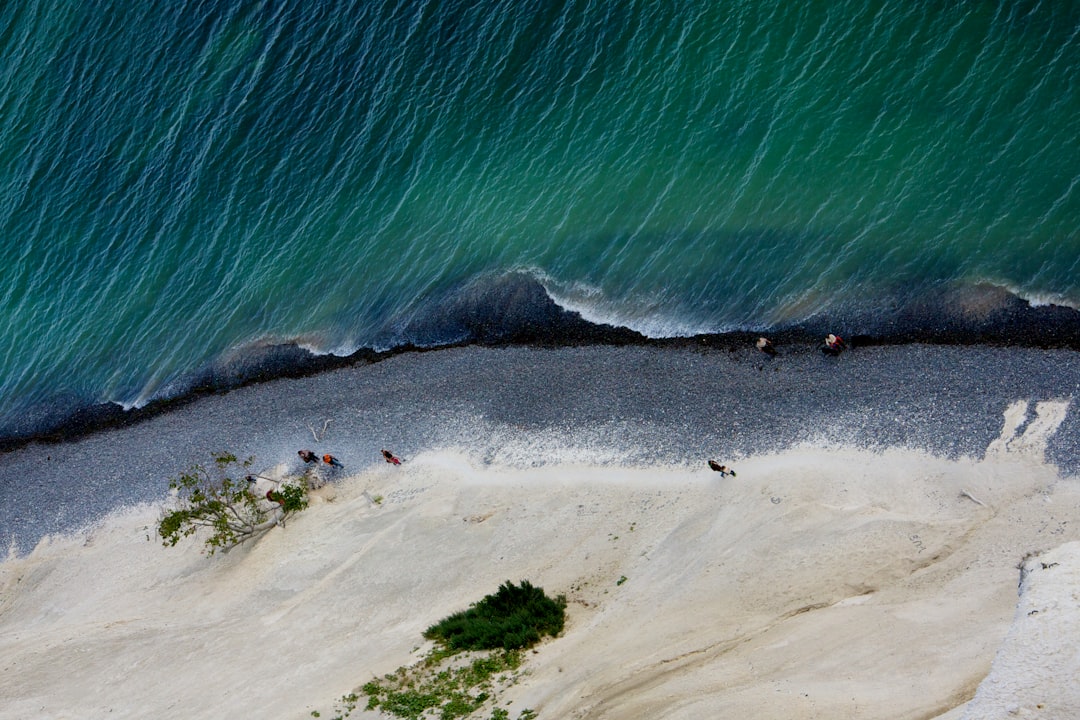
(819, 583)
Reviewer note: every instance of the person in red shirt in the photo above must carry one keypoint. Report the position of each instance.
(834, 344)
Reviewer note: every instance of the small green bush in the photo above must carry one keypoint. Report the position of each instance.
(515, 617)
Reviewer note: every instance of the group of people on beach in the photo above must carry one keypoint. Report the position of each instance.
(834, 345)
(311, 458)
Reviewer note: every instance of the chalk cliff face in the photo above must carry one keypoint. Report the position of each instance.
(817, 583)
(1031, 670)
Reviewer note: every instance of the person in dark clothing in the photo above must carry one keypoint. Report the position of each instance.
(308, 456)
(724, 470)
(391, 458)
(765, 345)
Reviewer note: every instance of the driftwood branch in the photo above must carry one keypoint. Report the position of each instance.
(972, 498)
(322, 432)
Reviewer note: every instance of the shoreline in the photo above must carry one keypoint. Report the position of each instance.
(528, 406)
(518, 312)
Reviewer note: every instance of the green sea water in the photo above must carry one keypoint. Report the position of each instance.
(183, 180)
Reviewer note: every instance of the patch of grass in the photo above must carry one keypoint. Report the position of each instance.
(443, 688)
(347, 704)
(477, 653)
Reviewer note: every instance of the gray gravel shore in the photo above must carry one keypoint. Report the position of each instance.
(519, 405)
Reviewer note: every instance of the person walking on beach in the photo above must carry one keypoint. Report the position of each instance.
(391, 458)
(724, 470)
(331, 460)
(765, 345)
(308, 456)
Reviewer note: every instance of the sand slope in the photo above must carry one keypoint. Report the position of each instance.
(816, 584)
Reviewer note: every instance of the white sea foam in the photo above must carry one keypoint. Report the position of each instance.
(1034, 298)
(648, 316)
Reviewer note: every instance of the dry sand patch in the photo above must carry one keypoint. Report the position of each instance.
(818, 583)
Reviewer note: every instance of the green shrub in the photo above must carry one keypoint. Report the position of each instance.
(294, 497)
(515, 617)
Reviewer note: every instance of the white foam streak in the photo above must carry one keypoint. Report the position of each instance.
(1034, 298)
(642, 315)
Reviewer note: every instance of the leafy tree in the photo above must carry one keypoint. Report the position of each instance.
(211, 500)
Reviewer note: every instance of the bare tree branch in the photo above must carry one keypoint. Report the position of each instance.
(322, 432)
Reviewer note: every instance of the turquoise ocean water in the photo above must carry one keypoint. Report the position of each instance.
(183, 180)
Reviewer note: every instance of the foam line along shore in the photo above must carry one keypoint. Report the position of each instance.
(516, 309)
